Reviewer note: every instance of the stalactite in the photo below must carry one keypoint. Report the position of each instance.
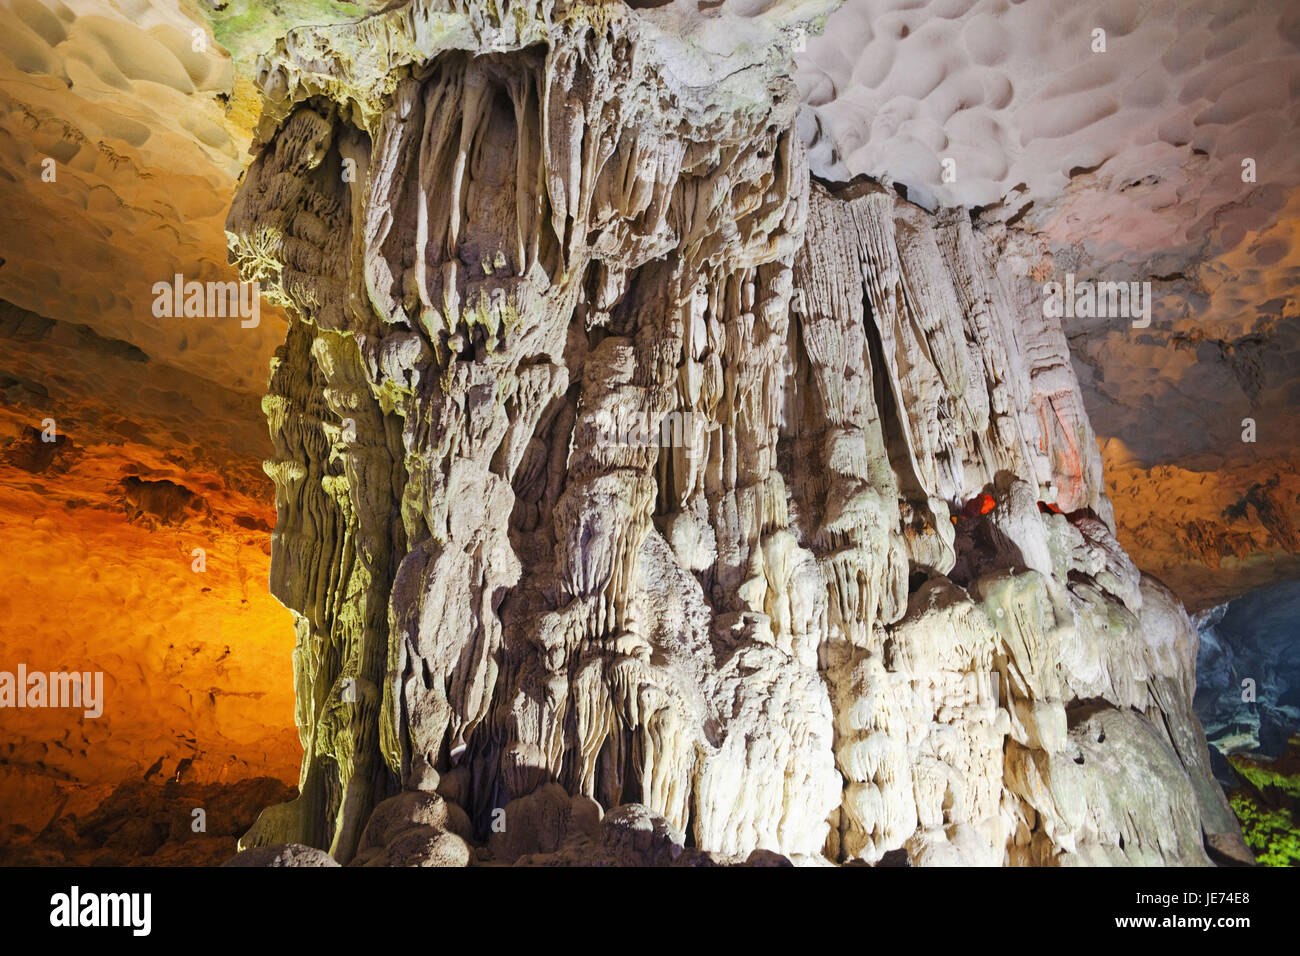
(657, 477)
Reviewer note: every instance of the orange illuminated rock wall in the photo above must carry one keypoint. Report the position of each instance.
(97, 539)
(1210, 533)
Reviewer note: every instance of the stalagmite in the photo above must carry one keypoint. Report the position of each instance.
(623, 471)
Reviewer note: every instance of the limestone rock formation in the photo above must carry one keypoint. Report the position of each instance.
(1118, 141)
(635, 490)
(1248, 664)
(290, 854)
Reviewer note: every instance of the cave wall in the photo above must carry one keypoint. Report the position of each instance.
(135, 540)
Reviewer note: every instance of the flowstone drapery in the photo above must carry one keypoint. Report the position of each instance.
(622, 471)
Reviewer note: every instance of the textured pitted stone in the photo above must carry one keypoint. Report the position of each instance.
(619, 467)
(541, 822)
(423, 846)
(286, 854)
(412, 809)
(636, 833)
